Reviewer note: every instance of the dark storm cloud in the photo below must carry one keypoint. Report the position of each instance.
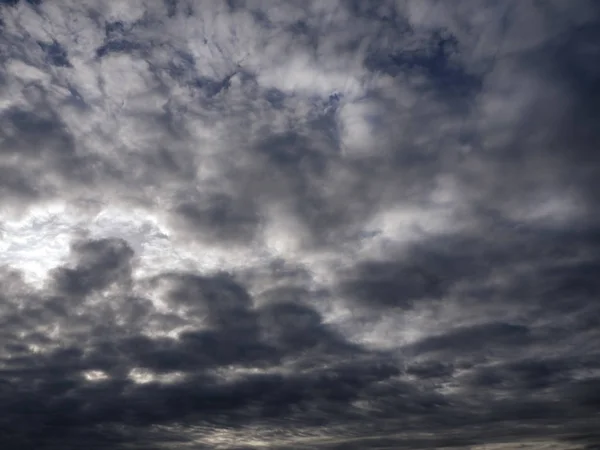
(388, 214)
(49, 390)
(97, 265)
(392, 284)
(48, 387)
(221, 217)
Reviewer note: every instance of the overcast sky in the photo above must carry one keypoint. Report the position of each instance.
(328, 224)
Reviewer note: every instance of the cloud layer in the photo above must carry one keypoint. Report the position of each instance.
(299, 224)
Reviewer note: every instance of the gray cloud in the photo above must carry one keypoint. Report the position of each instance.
(298, 224)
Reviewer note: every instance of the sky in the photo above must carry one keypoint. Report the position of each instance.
(262, 224)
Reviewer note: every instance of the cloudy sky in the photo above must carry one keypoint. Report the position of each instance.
(328, 224)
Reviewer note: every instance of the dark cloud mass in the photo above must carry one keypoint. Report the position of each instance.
(299, 224)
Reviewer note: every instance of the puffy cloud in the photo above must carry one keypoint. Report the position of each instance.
(298, 224)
